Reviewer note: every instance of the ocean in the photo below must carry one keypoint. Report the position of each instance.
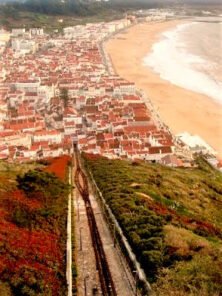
(190, 56)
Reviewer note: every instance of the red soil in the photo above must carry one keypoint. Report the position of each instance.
(58, 166)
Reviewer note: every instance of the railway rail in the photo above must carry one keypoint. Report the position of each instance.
(105, 277)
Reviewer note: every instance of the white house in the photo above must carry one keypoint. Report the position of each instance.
(52, 136)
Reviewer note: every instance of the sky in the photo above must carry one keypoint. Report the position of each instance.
(146, 1)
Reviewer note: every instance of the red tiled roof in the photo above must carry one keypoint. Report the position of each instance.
(160, 150)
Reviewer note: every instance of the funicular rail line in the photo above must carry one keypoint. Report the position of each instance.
(106, 281)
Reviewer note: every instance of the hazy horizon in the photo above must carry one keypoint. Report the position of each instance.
(139, 1)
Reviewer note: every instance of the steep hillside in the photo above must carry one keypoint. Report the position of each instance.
(54, 14)
(33, 207)
(172, 219)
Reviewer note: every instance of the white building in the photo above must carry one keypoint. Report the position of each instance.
(36, 31)
(24, 46)
(28, 86)
(18, 32)
(15, 139)
(4, 38)
(48, 136)
(195, 143)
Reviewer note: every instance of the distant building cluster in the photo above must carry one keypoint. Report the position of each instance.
(56, 91)
(151, 15)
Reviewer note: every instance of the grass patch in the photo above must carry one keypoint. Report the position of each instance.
(171, 218)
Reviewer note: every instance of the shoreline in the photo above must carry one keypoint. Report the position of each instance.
(180, 109)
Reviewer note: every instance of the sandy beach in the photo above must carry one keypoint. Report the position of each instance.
(181, 109)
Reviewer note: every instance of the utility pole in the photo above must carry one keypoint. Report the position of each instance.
(80, 238)
(136, 281)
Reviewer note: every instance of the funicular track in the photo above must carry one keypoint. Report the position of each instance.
(106, 281)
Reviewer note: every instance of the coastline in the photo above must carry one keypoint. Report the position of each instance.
(181, 109)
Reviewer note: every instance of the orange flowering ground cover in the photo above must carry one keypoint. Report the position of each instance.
(58, 166)
(32, 255)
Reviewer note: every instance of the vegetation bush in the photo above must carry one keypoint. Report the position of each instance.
(33, 230)
(21, 217)
(169, 229)
(42, 184)
(200, 276)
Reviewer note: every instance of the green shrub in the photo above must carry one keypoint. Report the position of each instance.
(147, 197)
(38, 183)
(151, 261)
(153, 243)
(21, 217)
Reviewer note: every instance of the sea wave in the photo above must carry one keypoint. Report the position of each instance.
(172, 61)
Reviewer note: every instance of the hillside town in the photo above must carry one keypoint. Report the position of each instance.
(62, 89)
